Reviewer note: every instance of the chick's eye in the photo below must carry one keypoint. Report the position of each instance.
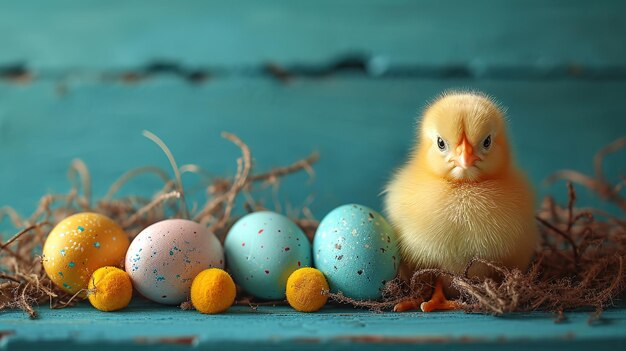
(487, 142)
(441, 144)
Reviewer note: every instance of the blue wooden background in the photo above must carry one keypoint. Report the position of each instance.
(84, 78)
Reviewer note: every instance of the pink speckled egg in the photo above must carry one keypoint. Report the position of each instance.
(165, 257)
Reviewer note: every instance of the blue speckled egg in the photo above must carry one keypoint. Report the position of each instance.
(357, 250)
(165, 257)
(262, 250)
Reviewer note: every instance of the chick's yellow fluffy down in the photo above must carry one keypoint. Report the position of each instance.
(461, 195)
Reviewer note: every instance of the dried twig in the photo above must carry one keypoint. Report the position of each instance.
(599, 183)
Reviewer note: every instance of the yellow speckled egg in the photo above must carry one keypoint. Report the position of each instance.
(79, 245)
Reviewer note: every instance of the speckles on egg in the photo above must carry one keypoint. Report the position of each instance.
(262, 250)
(356, 248)
(165, 257)
(80, 244)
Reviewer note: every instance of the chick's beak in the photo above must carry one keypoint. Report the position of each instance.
(465, 157)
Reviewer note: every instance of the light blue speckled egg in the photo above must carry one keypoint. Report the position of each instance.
(357, 250)
(262, 250)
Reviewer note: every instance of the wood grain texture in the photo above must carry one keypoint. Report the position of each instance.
(482, 37)
(146, 325)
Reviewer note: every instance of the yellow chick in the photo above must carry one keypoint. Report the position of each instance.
(461, 196)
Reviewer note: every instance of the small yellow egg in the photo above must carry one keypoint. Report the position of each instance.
(306, 289)
(212, 291)
(79, 245)
(110, 289)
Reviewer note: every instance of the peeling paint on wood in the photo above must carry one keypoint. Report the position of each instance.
(146, 324)
(173, 340)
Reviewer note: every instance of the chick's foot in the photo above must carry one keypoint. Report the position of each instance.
(439, 302)
(412, 304)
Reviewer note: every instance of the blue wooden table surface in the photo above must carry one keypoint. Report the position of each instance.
(145, 325)
(82, 79)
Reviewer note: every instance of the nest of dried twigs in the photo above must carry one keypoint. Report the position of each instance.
(580, 262)
(23, 281)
